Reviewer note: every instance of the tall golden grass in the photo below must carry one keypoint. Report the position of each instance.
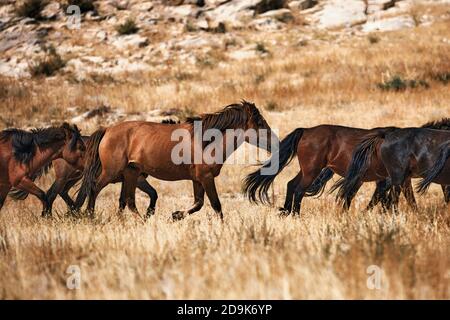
(254, 254)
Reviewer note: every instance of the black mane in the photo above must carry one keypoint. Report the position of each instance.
(24, 143)
(443, 124)
(232, 116)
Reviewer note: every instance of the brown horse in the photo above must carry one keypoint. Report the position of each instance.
(67, 175)
(130, 149)
(24, 154)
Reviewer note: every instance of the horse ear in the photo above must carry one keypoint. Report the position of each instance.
(67, 129)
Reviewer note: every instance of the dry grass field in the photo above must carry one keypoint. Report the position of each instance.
(254, 253)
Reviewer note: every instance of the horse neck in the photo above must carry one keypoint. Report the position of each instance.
(45, 155)
(225, 147)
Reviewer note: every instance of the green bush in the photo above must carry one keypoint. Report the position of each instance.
(397, 83)
(84, 5)
(128, 27)
(31, 9)
(48, 65)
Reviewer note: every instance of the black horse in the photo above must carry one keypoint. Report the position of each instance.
(406, 153)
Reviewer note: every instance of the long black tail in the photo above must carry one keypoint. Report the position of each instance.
(436, 168)
(256, 184)
(92, 167)
(18, 194)
(360, 163)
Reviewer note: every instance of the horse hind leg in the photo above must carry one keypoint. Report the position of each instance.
(130, 179)
(380, 194)
(306, 178)
(290, 189)
(103, 180)
(199, 196)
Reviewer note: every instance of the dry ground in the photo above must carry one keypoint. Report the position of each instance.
(254, 253)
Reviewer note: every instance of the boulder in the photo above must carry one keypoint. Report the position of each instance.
(389, 24)
(341, 13)
(132, 40)
(51, 11)
(302, 4)
(379, 5)
(237, 11)
(282, 15)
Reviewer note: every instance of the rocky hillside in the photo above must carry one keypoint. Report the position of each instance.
(88, 39)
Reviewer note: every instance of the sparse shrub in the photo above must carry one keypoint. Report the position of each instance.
(128, 27)
(271, 106)
(190, 27)
(183, 76)
(260, 78)
(443, 77)
(397, 83)
(84, 5)
(220, 28)
(373, 39)
(302, 43)
(47, 66)
(267, 5)
(31, 9)
(261, 47)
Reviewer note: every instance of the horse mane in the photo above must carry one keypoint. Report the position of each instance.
(231, 116)
(24, 143)
(443, 124)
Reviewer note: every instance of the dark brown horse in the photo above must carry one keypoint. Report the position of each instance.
(25, 154)
(405, 153)
(321, 151)
(130, 149)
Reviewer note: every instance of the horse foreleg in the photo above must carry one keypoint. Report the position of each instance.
(199, 196)
(4, 190)
(380, 194)
(28, 185)
(446, 191)
(144, 186)
(210, 189)
(54, 190)
(408, 192)
(65, 193)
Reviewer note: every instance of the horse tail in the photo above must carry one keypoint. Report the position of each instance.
(318, 186)
(92, 167)
(359, 164)
(436, 168)
(18, 194)
(256, 184)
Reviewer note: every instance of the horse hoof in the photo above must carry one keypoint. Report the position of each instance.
(178, 215)
(149, 213)
(283, 212)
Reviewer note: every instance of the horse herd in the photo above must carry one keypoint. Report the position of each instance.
(130, 151)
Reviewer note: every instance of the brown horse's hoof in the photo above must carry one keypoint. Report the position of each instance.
(283, 212)
(178, 215)
(150, 212)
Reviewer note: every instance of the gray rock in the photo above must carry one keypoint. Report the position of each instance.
(389, 24)
(341, 13)
(302, 4)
